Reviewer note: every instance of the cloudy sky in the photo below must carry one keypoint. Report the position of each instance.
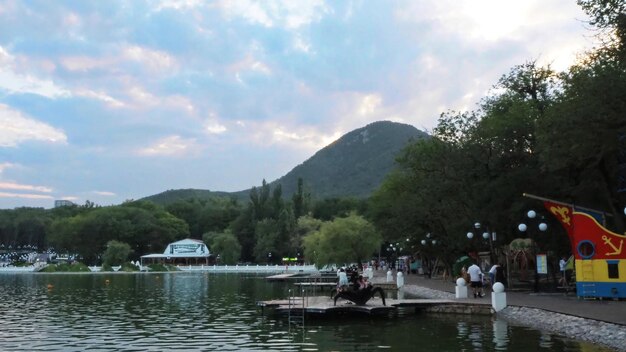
(114, 100)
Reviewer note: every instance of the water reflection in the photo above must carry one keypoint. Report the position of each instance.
(500, 334)
(195, 311)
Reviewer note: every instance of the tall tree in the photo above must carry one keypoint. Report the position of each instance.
(344, 240)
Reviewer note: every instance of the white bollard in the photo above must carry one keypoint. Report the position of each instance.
(400, 281)
(370, 273)
(389, 276)
(461, 288)
(498, 297)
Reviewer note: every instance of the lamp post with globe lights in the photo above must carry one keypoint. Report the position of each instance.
(542, 227)
(487, 235)
(429, 243)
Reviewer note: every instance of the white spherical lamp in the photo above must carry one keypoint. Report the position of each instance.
(543, 226)
(470, 235)
(461, 282)
(498, 287)
(486, 235)
(522, 227)
(423, 242)
(531, 214)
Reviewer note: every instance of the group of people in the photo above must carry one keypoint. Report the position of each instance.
(474, 275)
(359, 282)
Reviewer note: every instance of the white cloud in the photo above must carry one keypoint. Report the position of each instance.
(269, 133)
(16, 128)
(251, 11)
(4, 166)
(369, 104)
(112, 102)
(214, 127)
(170, 146)
(15, 82)
(84, 63)
(299, 44)
(104, 193)
(24, 195)
(249, 63)
(178, 4)
(154, 60)
(280, 13)
(20, 187)
(19, 83)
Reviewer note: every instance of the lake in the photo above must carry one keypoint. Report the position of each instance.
(208, 312)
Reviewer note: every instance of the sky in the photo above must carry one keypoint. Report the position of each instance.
(109, 101)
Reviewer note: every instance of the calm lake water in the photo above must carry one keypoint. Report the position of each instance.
(209, 312)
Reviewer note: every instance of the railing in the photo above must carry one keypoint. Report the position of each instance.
(250, 268)
(208, 268)
(16, 269)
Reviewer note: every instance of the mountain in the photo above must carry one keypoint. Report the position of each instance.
(355, 164)
(352, 166)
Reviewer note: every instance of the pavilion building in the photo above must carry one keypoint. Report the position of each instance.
(185, 252)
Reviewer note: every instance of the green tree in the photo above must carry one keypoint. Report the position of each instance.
(116, 253)
(305, 226)
(343, 240)
(267, 241)
(225, 245)
(300, 200)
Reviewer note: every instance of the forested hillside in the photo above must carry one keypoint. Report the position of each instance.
(355, 164)
(352, 166)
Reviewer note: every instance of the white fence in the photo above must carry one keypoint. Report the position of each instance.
(250, 268)
(291, 269)
(17, 269)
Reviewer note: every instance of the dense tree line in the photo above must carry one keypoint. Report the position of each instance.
(250, 232)
(561, 135)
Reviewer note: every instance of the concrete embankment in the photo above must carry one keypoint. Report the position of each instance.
(578, 328)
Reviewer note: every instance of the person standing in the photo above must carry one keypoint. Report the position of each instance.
(492, 274)
(563, 268)
(476, 280)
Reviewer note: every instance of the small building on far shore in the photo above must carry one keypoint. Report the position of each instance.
(184, 252)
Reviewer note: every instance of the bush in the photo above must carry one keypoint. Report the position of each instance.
(161, 267)
(128, 267)
(65, 267)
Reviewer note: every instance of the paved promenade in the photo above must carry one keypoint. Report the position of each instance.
(603, 310)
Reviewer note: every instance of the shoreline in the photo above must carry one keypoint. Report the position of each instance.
(593, 331)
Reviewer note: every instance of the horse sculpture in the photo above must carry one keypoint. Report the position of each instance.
(359, 297)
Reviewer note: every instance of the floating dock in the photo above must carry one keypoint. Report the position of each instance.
(323, 305)
(303, 277)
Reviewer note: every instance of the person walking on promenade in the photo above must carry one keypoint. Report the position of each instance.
(476, 280)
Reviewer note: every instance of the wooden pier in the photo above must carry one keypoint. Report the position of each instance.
(300, 277)
(324, 305)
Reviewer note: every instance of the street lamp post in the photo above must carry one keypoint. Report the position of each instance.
(489, 236)
(542, 226)
(428, 243)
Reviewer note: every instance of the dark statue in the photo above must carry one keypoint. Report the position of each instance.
(358, 297)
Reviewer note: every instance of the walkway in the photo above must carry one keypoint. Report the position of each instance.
(603, 310)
